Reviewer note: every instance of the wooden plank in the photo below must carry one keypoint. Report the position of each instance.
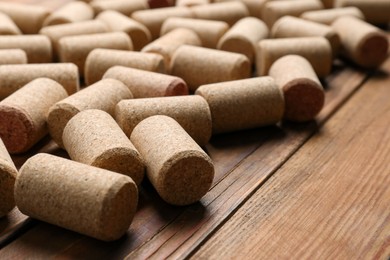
(330, 200)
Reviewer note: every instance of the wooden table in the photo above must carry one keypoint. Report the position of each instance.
(318, 190)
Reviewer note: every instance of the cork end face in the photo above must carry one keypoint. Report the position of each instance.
(304, 99)
(186, 178)
(238, 45)
(139, 38)
(16, 129)
(177, 88)
(242, 68)
(7, 182)
(373, 51)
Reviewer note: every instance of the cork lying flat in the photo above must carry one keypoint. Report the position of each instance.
(8, 175)
(7, 26)
(328, 16)
(12, 56)
(72, 12)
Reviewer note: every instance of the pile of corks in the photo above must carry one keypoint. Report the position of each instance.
(159, 83)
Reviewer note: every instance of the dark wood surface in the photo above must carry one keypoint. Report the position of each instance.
(313, 190)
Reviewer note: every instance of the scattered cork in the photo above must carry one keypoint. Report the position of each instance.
(76, 48)
(111, 148)
(274, 10)
(118, 22)
(374, 11)
(23, 114)
(8, 175)
(37, 47)
(125, 7)
(100, 60)
(72, 12)
(243, 104)
(316, 50)
(177, 167)
(189, 3)
(29, 18)
(167, 44)
(191, 112)
(154, 18)
(13, 77)
(362, 42)
(229, 12)
(254, 7)
(208, 31)
(56, 32)
(145, 84)
(244, 36)
(303, 93)
(289, 27)
(199, 66)
(12, 56)
(7, 26)
(328, 16)
(85, 199)
(103, 95)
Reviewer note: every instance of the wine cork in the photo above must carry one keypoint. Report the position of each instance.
(12, 56)
(303, 93)
(243, 104)
(23, 114)
(363, 43)
(56, 32)
(111, 148)
(244, 36)
(208, 31)
(191, 112)
(229, 12)
(177, 167)
(7, 26)
(28, 18)
(199, 66)
(316, 50)
(8, 175)
(100, 60)
(189, 3)
(145, 84)
(138, 33)
(37, 47)
(72, 12)
(274, 10)
(85, 199)
(76, 48)
(13, 77)
(154, 18)
(103, 95)
(328, 16)
(125, 7)
(290, 27)
(375, 11)
(254, 7)
(167, 44)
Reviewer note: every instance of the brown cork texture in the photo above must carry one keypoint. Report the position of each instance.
(7, 26)
(56, 32)
(229, 12)
(254, 6)
(374, 11)
(71, 12)
(13, 77)
(208, 31)
(316, 50)
(303, 93)
(362, 42)
(244, 36)
(243, 104)
(8, 175)
(117, 22)
(328, 16)
(189, 3)
(85, 199)
(12, 56)
(154, 18)
(167, 44)
(290, 27)
(76, 48)
(178, 168)
(191, 112)
(37, 47)
(100, 60)
(23, 114)
(103, 95)
(122, 6)
(273, 10)
(189, 62)
(145, 84)
(94, 138)
(29, 18)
